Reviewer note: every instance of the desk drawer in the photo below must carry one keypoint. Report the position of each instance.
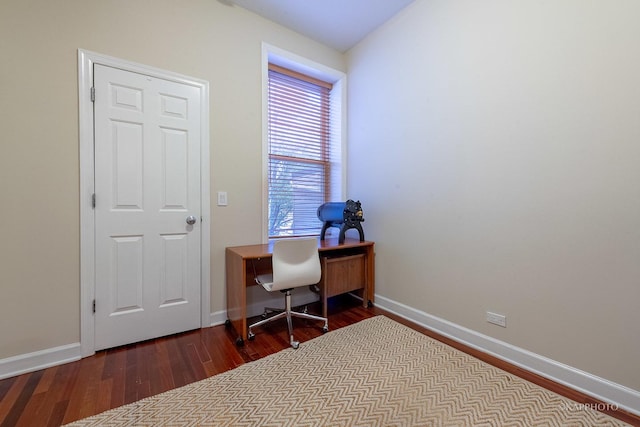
(343, 274)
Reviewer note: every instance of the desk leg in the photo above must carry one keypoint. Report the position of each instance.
(368, 296)
(323, 299)
(236, 270)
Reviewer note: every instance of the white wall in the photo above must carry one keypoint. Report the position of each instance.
(39, 148)
(495, 147)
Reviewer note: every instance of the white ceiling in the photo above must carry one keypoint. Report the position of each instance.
(340, 24)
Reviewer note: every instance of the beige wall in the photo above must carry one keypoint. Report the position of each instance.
(495, 146)
(39, 165)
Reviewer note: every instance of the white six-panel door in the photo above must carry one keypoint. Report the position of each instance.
(147, 186)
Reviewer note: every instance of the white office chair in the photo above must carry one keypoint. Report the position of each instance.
(296, 263)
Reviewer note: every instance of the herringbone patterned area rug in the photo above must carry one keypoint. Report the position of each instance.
(373, 373)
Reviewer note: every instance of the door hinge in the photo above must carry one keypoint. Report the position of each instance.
(93, 94)
(93, 200)
(94, 306)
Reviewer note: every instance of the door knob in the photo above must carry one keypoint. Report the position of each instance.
(191, 220)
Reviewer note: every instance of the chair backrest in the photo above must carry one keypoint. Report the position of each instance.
(296, 263)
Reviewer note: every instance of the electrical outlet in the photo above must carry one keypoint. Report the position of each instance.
(497, 319)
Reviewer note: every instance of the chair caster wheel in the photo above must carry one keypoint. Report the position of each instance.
(239, 342)
(227, 323)
(295, 344)
(251, 336)
(325, 329)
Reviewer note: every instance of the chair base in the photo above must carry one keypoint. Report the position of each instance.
(288, 313)
(269, 310)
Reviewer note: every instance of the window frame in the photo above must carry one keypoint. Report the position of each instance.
(320, 73)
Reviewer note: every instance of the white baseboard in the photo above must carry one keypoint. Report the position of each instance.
(607, 391)
(24, 363)
(217, 318)
(592, 385)
(42, 359)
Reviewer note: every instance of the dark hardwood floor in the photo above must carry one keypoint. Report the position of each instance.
(122, 375)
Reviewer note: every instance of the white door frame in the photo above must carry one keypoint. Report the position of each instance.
(86, 59)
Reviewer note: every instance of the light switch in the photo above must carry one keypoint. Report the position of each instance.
(222, 198)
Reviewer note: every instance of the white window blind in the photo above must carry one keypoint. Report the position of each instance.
(299, 144)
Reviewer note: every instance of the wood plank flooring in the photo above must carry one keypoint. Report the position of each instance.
(122, 375)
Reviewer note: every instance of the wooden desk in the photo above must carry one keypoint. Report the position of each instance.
(243, 263)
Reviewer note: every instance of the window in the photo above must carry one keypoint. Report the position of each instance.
(302, 151)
